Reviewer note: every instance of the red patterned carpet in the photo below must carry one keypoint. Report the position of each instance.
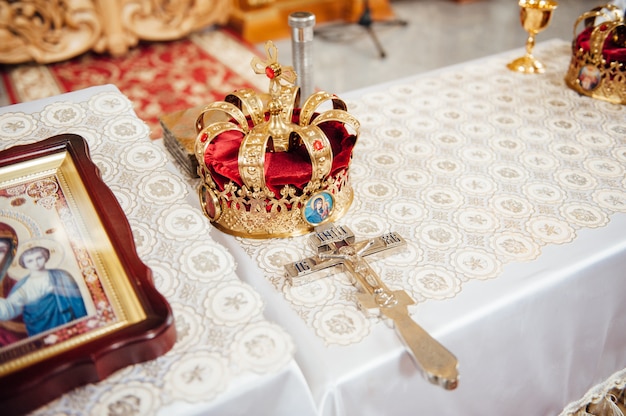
(159, 78)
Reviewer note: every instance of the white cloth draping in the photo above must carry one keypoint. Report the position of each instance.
(510, 190)
(228, 357)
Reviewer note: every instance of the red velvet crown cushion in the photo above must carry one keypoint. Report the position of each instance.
(612, 51)
(281, 168)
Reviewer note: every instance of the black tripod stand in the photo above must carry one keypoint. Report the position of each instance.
(336, 32)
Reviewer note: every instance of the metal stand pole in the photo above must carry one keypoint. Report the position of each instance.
(301, 24)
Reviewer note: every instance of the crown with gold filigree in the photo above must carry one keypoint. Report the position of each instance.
(598, 65)
(270, 167)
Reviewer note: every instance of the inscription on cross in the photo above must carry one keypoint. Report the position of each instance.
(336, 247)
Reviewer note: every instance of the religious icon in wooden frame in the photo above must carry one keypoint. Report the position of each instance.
(76, 302)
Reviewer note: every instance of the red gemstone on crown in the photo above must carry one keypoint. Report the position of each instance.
(318, 145)
(269, 72)
(204, 137)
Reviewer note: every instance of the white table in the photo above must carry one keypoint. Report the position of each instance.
(528, 295)
(226, 360)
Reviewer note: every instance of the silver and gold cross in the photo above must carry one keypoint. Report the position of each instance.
(336, 247)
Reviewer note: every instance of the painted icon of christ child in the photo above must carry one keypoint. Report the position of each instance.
(46, 298)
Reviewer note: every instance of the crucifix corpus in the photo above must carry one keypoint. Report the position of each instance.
(336, 247)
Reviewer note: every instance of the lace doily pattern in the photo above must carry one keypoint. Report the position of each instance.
(607, 398)
(221, 332)
(476, 166)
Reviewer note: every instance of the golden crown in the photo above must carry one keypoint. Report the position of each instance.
(597, 68)
(270, 168)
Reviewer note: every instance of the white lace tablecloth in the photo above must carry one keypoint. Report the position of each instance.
(511, 190)
(225, 347)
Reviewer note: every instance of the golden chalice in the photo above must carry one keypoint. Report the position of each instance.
(535, 16)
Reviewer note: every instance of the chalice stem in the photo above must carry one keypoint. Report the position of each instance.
(530, 44)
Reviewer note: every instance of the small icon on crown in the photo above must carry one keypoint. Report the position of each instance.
(269, 167)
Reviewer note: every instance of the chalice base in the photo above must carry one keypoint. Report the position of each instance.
(526, 64)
